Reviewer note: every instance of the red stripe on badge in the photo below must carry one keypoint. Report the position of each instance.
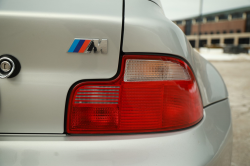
(84, 46)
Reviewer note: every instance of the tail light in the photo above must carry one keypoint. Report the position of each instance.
(152, 93)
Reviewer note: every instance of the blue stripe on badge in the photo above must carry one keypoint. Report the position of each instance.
(74, 44)
(79, 45)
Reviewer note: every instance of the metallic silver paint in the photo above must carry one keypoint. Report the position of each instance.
(148, 30)
(158, 2)
(11, 69)
(208, 143)
(211, 84)
(39, 34)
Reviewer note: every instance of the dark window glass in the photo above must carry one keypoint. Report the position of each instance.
(229, 41)
(200, 33)
(237, 15)
(203, 43)
(223, 17)
(244, 41)
(192, 42)
(215, 41)
(218, 32)
(178, 22)
(205, 33)
(238, 31)
(188, 27)
(211, 32)
(199, 19)
(231, 31)
(248, 22)
(211, 18)
(224, 32)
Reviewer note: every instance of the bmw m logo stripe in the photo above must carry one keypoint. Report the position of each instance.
(89, 45)
(79, 45)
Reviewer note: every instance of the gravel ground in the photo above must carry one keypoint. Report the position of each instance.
(236, 75)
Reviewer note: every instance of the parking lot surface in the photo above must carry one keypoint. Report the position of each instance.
(236, 75)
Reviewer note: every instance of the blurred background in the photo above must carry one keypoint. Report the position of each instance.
(220, 31)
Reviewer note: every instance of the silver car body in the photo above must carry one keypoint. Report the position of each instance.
(32, 105)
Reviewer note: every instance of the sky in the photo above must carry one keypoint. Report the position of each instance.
(178, 9)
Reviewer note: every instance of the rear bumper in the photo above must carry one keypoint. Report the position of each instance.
(208, 143)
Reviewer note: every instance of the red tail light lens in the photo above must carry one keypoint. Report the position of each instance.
(152, 93)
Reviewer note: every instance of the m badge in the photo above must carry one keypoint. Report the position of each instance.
(89, 45)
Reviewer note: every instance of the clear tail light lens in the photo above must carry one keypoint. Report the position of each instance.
(152, 93)
(154, 70)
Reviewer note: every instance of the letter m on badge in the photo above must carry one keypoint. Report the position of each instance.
(89, 45)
